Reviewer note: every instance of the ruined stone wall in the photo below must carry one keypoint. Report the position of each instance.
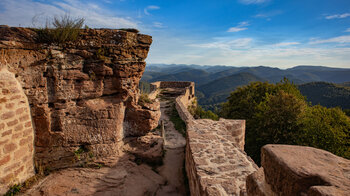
(188, 95)
(16, 133)
(171, 84)
(83, 95)
(216, 163)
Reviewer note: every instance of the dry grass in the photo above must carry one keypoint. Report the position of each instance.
(60, 30)
(144, 99)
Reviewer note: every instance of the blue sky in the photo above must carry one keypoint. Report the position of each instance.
(277, 33)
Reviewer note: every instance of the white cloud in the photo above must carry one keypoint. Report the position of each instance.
(341, 40)
(261, 16)
(235, 44)
(236, 29)
(244, 52)
(345, 15)
(21, 12)
(347, 30)
(268, 15)
(284, 44)
(240, 27)
(211, 54)
(149, 8)
(247, 2)
(158, 25)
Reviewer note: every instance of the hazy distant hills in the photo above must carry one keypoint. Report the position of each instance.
(214, 83)
(218, 90)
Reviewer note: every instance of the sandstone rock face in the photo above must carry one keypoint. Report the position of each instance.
(83, 95)
(148, 148)
(297, 170)
(122, 178)
(16, 133)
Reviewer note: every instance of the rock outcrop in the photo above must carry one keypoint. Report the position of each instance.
(298, 170)
(83, 95)
(122, 178)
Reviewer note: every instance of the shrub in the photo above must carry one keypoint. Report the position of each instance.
(144, 99)
(64, 29)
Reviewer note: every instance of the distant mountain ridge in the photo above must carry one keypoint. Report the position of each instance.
(214, 83)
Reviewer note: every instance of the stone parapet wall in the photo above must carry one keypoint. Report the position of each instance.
(83, 95)
(181, 108)
(216, 163)
(16, 133)
(171, 84)
(188, 93)
(298, 170)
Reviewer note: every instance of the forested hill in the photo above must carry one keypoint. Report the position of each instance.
(326, 94)
(214, 83)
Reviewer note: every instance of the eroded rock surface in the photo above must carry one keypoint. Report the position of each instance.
(83, 95)
(123, 177)
(299, 170)
(148, 148)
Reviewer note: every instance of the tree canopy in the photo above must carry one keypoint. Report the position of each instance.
(279, 114)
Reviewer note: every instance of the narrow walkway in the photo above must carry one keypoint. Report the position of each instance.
(174, 145)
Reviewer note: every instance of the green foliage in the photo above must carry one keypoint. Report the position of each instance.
(199, 113)
(279, 114)
(82, 149)
(277, 117)
(101, 53)
(347, 112)
(327, 94)
(325, 128)
(179, 124)
(65, 29)
(15, 189)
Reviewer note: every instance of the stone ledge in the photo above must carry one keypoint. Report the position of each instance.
(297, 170)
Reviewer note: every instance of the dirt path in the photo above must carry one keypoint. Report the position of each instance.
(173, 162)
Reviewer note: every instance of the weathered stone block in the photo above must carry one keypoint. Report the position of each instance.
(299, 170)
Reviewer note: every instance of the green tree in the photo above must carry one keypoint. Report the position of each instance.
(279, 114)
(325, 128)
(271, 112)
(347, 112)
